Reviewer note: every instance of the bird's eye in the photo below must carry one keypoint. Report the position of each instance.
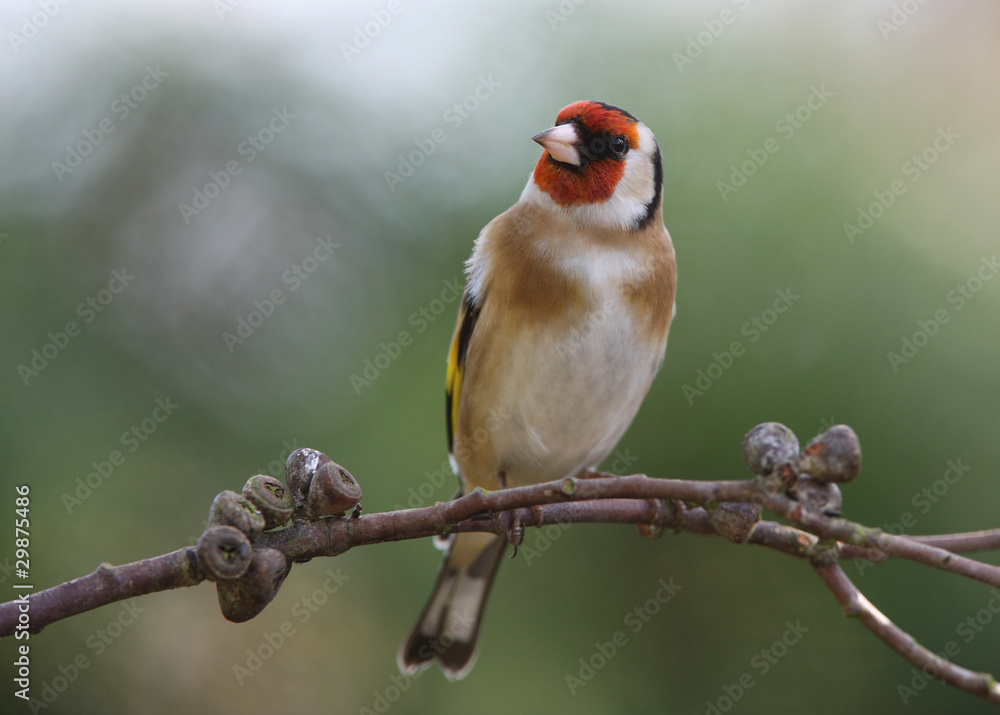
(619, 145)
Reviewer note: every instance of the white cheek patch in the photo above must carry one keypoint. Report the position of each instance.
(639, 181)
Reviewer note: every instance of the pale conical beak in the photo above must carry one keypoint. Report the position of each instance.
(560, 142)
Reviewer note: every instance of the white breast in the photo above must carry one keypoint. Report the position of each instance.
(573, 390)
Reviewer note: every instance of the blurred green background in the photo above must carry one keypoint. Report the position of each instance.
(286, 117)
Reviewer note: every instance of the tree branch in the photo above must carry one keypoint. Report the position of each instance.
(856, 605)
(106, 584)
(956, 543)
(254, 538)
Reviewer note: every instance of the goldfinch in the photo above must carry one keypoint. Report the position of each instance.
(563, 325)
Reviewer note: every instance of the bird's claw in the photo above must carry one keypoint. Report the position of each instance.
(652, 530)
(515, 535)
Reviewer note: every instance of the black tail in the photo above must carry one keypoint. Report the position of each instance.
(448, 629)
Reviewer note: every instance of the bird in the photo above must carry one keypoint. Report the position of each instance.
(563, 323)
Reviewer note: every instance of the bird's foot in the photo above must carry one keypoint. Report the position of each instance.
(515, 535)
(654, 530)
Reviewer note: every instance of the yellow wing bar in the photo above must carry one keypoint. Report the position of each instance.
(467, 316)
